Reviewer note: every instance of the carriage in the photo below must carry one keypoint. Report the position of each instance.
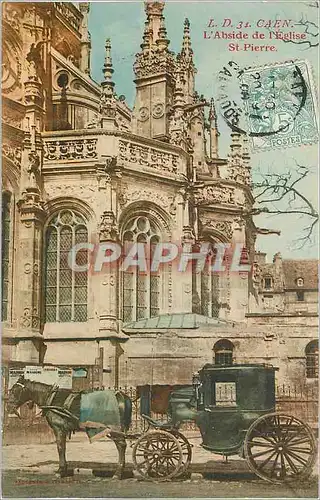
(234, 408)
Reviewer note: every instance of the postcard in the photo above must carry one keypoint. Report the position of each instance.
(159, 264)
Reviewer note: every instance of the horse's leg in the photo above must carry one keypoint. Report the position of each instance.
(120, 442)
(61, 437)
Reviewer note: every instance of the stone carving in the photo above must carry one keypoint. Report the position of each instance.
(11, 16)
(33, 169)
(130, 195)
(69, 14)
(145, 156)
(13, 153)
(28, 320)
(108, 227)
(224, 227)
(82, 192)
(94, 122)
(73, 149)
(158, 110)
(214, 194)
(239, 173)
(11, 67)
(154, 61)
(256, 275)
(27, 268)
(143, 114)
(239, 223)
(11, 118)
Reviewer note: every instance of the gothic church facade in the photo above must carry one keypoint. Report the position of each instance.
(80, 166)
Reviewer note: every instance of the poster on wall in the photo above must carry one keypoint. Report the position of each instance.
(160, 244)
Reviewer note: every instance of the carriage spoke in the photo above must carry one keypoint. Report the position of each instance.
(161, 455)
(298, 441)
(292, 465)
(256, 455)
(264, 463)
(274, 464)
(258, 443)
(288, 427)
(283, 471)
(296, 457)
(301, 450)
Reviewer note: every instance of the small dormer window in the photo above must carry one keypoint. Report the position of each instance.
(268, 282)
(299, 282)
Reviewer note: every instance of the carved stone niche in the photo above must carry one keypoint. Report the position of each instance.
(221, 226)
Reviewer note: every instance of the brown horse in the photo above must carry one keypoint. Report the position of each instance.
(61, 407)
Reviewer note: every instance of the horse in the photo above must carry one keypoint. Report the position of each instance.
(63, 408)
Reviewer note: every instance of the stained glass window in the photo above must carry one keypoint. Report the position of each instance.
(140, 298)
(65, 288)
(6, 223)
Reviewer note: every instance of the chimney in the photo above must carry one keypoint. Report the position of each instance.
(260, 258)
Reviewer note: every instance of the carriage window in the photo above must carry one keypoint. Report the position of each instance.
(312, 359)
(223, 353)
(225, 394)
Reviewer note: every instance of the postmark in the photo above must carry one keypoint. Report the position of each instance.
(273, 104)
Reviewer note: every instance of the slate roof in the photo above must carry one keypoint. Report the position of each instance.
(306, 269)
(174, 321)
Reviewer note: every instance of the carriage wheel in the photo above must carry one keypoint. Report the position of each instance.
(280, 448)
(157, 455)
(186, 452)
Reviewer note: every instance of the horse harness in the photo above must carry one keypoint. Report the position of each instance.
(64, 410)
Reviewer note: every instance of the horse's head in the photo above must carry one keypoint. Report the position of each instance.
(18, 395)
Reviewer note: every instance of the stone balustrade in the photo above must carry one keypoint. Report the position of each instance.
(146, 158)
(70, 149)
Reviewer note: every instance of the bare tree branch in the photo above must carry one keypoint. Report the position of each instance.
(310, 28)
(278, 194)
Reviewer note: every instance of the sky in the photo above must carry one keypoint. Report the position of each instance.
(123, 23)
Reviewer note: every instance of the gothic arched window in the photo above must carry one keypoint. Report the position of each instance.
(312, 359)
(141, 289)
(223, 352)
(65, 288)
(210, 294)
(5, 263)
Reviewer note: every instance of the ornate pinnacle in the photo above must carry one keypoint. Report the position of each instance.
(153, 8)
(178, 93)
(212, 112)
(107, 67)
(186, 50)
(147, 35)
(162, 41)
(236, 142)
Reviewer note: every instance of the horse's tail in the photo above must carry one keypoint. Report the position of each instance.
(127, 412)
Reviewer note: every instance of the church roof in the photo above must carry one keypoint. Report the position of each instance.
(174, 321)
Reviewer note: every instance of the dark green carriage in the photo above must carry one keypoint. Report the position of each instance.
(234, 408)
(230, 399)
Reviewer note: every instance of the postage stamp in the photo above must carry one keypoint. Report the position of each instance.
(273, 104)
(280, 106)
